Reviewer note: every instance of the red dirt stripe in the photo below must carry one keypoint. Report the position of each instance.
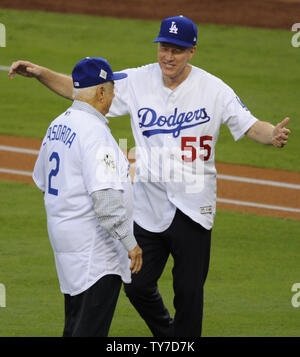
(234, 190)
(258, 211)
(17, 161)
(17, 178)
(258, 173)
(270, 195)
(262, 13)
(25, 143)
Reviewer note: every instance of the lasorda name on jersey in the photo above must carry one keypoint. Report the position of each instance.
(172, 124)
(61, 133)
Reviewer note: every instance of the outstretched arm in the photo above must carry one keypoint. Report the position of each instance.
(268, 134)
(57, 82)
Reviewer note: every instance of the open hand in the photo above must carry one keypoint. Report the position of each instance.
(24, 68)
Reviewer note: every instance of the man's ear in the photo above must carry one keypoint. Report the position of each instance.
(100, 93)
(193, 50)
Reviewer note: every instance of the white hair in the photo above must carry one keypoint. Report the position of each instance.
(86, 93)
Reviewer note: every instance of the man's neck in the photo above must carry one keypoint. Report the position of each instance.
(93, 102)
(87, 107)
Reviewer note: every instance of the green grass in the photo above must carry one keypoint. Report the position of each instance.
(34, 304)
(248, 290)
(259, 64)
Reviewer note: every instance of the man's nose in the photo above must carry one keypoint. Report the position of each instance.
(169, 55)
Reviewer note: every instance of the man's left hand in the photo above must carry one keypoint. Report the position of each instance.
(281, 134)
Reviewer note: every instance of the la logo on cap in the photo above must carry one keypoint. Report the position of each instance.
(173, 28)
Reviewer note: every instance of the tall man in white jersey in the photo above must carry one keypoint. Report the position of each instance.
(173, 104)
(88, 199)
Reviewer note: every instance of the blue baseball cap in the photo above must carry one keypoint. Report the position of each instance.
(92, 71)
(178, 30)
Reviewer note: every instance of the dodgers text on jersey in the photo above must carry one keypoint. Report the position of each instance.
(172, 124)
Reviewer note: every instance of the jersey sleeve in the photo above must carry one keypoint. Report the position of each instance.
(100, 163)
(236, 116)
(110, 208)
(119, 104)
(38, 174)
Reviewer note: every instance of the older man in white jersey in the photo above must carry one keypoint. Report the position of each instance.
(173, 104)
(88, 199)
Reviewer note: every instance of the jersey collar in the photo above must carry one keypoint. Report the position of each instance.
(85, 107)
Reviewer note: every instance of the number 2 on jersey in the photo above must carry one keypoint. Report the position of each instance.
(53, 172)
(193, 139)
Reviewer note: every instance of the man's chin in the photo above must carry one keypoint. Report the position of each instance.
(168, 72)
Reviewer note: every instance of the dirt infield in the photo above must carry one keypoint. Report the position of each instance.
(240, 188)
(261, 13)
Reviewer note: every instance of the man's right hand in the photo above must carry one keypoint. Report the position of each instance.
(59, 83)
(24, 68)
(136, 259)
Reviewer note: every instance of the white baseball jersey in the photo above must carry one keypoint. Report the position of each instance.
(188, 119)
(79, 156)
